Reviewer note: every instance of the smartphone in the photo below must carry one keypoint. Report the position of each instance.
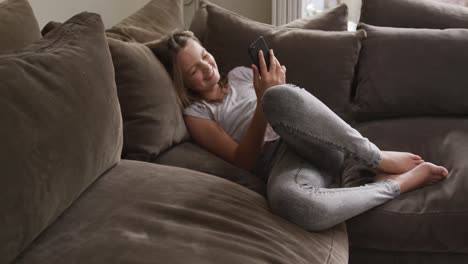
(257, 45)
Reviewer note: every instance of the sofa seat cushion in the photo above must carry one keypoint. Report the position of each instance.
(140, 212)
(359, 256)
(189, 155)
(431, 219)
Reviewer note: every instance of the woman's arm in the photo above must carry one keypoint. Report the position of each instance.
(212, 137)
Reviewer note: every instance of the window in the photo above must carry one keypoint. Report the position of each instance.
(313, 7)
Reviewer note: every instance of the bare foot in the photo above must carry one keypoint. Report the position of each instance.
(422, 175)
(398, 162)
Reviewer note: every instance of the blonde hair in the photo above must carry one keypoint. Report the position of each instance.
(166, 49)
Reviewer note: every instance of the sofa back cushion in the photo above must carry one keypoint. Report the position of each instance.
(319, 61)
(412, 72)
(152, 118)
(18, 25)
(154, 20)
(334, 19)
(413, 14)
(61, 127)
(151, 114)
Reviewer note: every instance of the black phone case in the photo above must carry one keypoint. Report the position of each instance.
(257, 45)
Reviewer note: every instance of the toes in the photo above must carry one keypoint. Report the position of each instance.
(446, 173)
(419, 161)
(442, 171)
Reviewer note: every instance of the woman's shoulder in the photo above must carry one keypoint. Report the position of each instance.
(199, 109)
(241, 72)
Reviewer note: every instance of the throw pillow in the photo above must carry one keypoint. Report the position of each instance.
(334, 19)
(151, 114)
(413, 14)
(319, 61)
(155, 19)
(152, 118)
(61, 127)
(18, 25)
(412, 72)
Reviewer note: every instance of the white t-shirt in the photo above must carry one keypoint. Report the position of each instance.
(237, 109)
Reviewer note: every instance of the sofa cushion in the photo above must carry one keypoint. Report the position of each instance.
(61, 127)
(319, 61)
(359, 255)
(140, 212)
(413, 14)
(431, 219)
(334, 19)
(18, 25)
(405, 72)
(154, 20)
(228, 35)
(152, 117)
(191, 156)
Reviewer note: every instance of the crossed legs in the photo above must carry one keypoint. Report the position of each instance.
(317, 142)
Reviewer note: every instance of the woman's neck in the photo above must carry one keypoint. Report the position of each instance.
(216, 93)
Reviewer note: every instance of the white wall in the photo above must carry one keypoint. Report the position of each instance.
(354, 9)
(112, 11)
(258, 10)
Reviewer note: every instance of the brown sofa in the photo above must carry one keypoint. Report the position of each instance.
(98, 166)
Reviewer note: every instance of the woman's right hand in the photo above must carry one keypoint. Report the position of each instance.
(268, 78)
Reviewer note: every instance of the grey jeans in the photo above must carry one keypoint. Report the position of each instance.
(304, 166)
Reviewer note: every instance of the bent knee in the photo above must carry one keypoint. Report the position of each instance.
(279, 97)
(283, 102)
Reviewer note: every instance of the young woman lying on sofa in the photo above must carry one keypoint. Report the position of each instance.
(289, 136)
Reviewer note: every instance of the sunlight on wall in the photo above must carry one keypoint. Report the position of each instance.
(112, 11)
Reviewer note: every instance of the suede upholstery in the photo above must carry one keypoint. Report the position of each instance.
(154, 20)
(152, 117)
(18, 25)
(328, 75)
(140, 212)
(191, 156)
(63, 127)
(432, 219)
(334, 19)
(413, 14)
(359, 255)
(226, 32)
(383, 93)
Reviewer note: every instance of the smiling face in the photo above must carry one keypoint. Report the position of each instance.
(198, 67)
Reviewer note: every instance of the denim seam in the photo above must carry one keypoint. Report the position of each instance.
(321, 140)
(376, 159)
(332, 245)
(315, 190)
